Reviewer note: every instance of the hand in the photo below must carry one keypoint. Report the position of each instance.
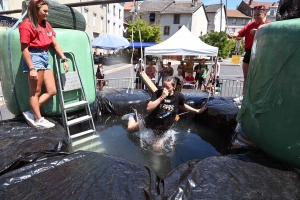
(66, 67)
(231, 35)
(33, 74)
(253, 31)
(203, 108)
(165, 93)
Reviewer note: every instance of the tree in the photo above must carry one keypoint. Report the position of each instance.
(148, 33)
(219, 39)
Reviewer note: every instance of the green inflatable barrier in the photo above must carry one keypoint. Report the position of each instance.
(71, 41)
(270, 109)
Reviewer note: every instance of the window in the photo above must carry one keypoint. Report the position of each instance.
(95, 35)
(272, 12)
(101, 24)
(114, 28)
(209, 22)
(94, 19)
(166, 30)
(85, 15)
(244, 21)
(108, 8)
(176, 19)
(152, 17)
(119, 13)
(114, 10)
(233, 30)
(101, 5)
(234, 21)
(108, 26)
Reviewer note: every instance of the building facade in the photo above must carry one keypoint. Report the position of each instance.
(172, 15)
(246, 7)
(216, 14)
(236, 20)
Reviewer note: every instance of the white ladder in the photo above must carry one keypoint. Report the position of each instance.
(71, 81)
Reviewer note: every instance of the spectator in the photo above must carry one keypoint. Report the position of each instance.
(168, 71)
(36, 36)
(160, 72)
(100, 75)
(201, 72)
(150, 70)
(182, 67)
(139, 67)
(249, 32)
(189, 65)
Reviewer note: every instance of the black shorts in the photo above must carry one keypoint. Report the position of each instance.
(201, 80)
(247, 56)
(158, 129)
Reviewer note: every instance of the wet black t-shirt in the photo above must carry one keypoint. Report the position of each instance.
(163, 116)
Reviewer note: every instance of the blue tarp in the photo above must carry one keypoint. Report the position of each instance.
(144, 44)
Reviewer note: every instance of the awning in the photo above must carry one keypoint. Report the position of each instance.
(144, 44)
(7, 21)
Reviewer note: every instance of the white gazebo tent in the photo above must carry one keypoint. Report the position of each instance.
(183, 42)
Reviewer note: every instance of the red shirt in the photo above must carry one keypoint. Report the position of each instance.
(30, 36)
(249, 37)
(189, 79)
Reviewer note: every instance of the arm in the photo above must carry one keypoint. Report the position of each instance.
(191, 109)
(60, 52)
(27, 58)
(153, 104)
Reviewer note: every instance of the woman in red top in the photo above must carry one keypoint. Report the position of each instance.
(249, 32)
(36, 36)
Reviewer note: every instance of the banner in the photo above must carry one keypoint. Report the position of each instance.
(235, 59)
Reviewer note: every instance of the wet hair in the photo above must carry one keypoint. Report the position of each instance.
(171, 79)
(32, 13)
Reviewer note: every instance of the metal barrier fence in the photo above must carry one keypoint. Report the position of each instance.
(228, 87)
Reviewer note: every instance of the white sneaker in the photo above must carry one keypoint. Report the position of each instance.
(238, 99)
(43, 123)
(30, 118)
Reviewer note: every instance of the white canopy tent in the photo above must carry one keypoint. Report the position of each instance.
(183, 42)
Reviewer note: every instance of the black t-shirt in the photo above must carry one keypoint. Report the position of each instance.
(163, 116)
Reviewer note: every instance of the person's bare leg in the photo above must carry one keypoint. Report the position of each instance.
(245, 72)
(35, 92)
(132, 126)
(49, 84)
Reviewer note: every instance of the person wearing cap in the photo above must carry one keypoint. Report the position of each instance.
(181, 66)
(249, 32)
(139, 67)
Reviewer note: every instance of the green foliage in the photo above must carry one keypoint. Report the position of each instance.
(219, 39)
(148, 33)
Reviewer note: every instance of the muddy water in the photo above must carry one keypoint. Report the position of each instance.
(186, 141)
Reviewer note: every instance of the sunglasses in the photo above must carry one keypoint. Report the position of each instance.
(38, 1)
(259, 8)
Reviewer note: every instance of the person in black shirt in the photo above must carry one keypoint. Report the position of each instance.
(162, 108)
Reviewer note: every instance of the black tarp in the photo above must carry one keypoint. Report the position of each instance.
(17, 139)
(220, 114)
(81, 175)
(288, 9)
(89, 175)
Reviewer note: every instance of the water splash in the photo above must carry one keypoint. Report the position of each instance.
(163, 144)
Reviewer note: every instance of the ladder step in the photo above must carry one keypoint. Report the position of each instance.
(78, 120)
(82, 133)
(72, 105)
(95, 146)
(83, 140)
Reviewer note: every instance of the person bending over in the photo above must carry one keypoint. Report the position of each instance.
(162, 108)
(36, 36)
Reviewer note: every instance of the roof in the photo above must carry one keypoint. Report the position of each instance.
(213, 8)
(258, 3)
(129, 6)
(154, 6)
(236, 14)
(183, 42)
(181, 8)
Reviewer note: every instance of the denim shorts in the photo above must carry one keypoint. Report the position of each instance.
(40, 60)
